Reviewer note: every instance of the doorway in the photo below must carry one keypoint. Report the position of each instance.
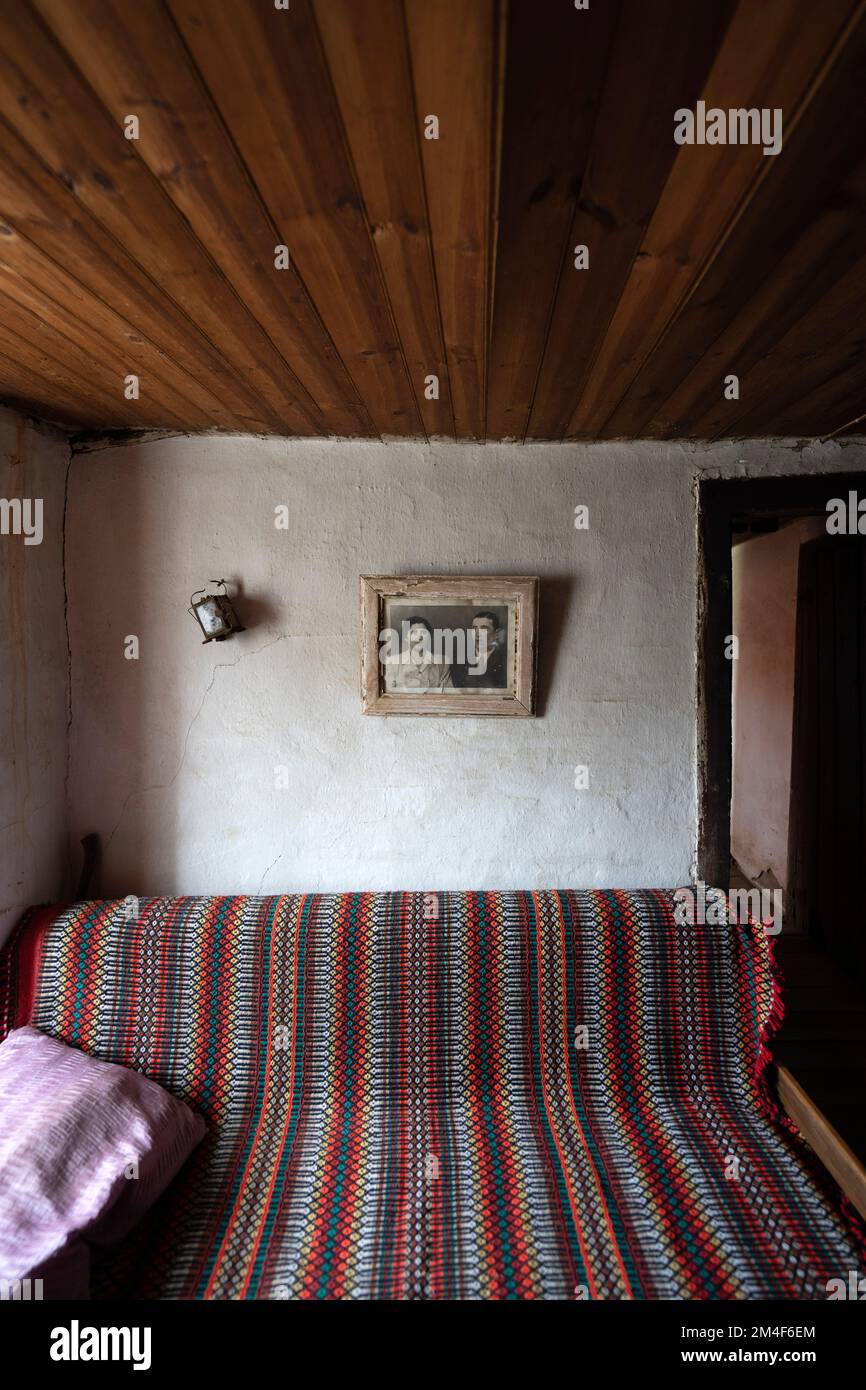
(729, 512)
(782, 754)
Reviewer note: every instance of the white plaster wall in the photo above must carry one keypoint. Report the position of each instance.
(174, 755)
(33, 677)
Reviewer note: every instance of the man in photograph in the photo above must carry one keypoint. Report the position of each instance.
(489, 641)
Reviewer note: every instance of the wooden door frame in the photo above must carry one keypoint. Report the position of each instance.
(721, 502)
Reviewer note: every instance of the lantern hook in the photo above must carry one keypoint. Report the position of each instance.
(195, 595)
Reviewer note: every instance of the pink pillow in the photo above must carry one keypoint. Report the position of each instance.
(85, 1148)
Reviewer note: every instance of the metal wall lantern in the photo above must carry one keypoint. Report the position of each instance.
(215, 614)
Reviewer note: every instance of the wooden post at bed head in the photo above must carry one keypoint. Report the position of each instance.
(92, 851)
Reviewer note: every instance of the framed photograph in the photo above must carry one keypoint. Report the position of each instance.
(448, 645)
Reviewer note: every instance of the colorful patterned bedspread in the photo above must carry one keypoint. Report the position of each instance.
(456, 1095)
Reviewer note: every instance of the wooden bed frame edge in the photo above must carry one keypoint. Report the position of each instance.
(834, 1153)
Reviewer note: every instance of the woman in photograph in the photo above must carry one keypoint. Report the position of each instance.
(416, 669)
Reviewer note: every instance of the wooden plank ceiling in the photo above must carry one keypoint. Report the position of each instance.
(411, 258)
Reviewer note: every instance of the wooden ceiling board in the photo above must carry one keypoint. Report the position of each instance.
(766, 58)
(656, 65)
(136, 61)
(266, 71)
(550, 107)
(361, 42)
(794, 189)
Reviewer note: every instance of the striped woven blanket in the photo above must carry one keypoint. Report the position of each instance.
(452, 1095)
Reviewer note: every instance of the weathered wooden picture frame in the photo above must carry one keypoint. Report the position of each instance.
(448, 645)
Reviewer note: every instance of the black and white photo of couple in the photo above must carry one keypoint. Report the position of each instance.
(427, 651)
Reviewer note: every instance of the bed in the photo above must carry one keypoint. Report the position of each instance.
(464, 1095)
